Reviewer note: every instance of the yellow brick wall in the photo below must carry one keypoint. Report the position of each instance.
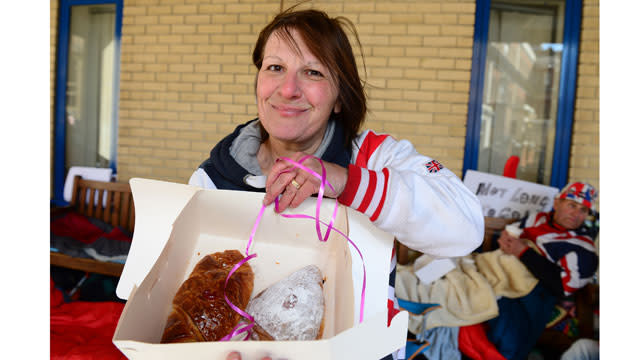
(585, 149)
(187, 78)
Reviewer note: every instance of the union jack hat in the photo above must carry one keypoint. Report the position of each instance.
(580, 192)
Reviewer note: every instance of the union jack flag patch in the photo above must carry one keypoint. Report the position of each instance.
(433, 166)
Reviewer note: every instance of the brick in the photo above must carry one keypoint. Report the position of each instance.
(178, 106)
(181, 67)
(439, 41)
(168, 39)
(405, 40)
(185, 9)
(192, 97)
(453, 75)
(146, 20)
(403, 84)
(386, 50)
(237, 29)
(423, 29)
(404, 62)
(183, 29)
(453, 97)
(355, 7)
(419, 95)
(210, 29)
(231, 108)
(373, 40)
(208, 48)
(385, 7)
(197, 19)
(154, 86)
(161, 49)
(157, 10)
(206, 107)
(420, 74)
(455, 53)
(164, 115)
(237, 8)
(146, 39)
(168, 77)
(197, 59)
(441, 19)
(400, 105)
(462, 86)
(422, 52)
(466, 19)
(379, 18)
(458, 8)
(394, 29)
(436, 85)
(437, 63)
(171, 19)
(193, 78)
(195, 39)
(153, 105)
(206, 87)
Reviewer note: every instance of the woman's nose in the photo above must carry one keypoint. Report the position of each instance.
(289, 88)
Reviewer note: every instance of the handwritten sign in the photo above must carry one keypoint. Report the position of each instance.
(505, 197)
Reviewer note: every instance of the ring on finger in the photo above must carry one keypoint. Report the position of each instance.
(295, 184)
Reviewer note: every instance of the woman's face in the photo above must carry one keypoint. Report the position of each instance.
(295, 93)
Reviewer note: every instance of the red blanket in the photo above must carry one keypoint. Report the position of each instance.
(82, 329)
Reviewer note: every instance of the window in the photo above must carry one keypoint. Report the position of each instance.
(87, 74)
(523, 86)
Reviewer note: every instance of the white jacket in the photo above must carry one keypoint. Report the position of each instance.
(412, 196)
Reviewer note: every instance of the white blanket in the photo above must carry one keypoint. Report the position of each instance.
(468, 294)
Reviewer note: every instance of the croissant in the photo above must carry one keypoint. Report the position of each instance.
(200, 312)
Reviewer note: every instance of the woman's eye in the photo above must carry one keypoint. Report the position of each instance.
(314, 73)
(274, 67)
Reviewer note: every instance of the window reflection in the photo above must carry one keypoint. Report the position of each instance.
(520, 94)
(90, 139)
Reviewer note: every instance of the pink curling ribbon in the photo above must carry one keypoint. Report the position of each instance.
(364, 271)
(240, 328)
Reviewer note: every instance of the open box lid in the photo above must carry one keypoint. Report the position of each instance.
(157, 205)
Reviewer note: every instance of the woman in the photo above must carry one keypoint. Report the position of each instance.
(311, 101)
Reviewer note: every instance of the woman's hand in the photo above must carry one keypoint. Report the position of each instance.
(236, 356)
(296, 185)
(511, 245)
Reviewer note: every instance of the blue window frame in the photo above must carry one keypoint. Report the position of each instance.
(62, 58)
(566, 92)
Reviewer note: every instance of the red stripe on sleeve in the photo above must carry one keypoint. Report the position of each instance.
(369, 146)
(371, 189)
(351, 188)
(376, 213)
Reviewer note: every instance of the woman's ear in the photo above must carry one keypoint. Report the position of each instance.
(337, 107)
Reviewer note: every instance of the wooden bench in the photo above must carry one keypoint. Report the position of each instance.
(586, 298)
(110, 202)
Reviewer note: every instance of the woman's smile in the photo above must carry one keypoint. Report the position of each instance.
(288, 110)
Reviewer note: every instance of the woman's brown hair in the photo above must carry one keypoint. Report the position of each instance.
(327, 41)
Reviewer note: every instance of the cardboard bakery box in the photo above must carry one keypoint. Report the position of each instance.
(177, 225)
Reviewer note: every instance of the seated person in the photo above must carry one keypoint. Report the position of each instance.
(559, 251)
